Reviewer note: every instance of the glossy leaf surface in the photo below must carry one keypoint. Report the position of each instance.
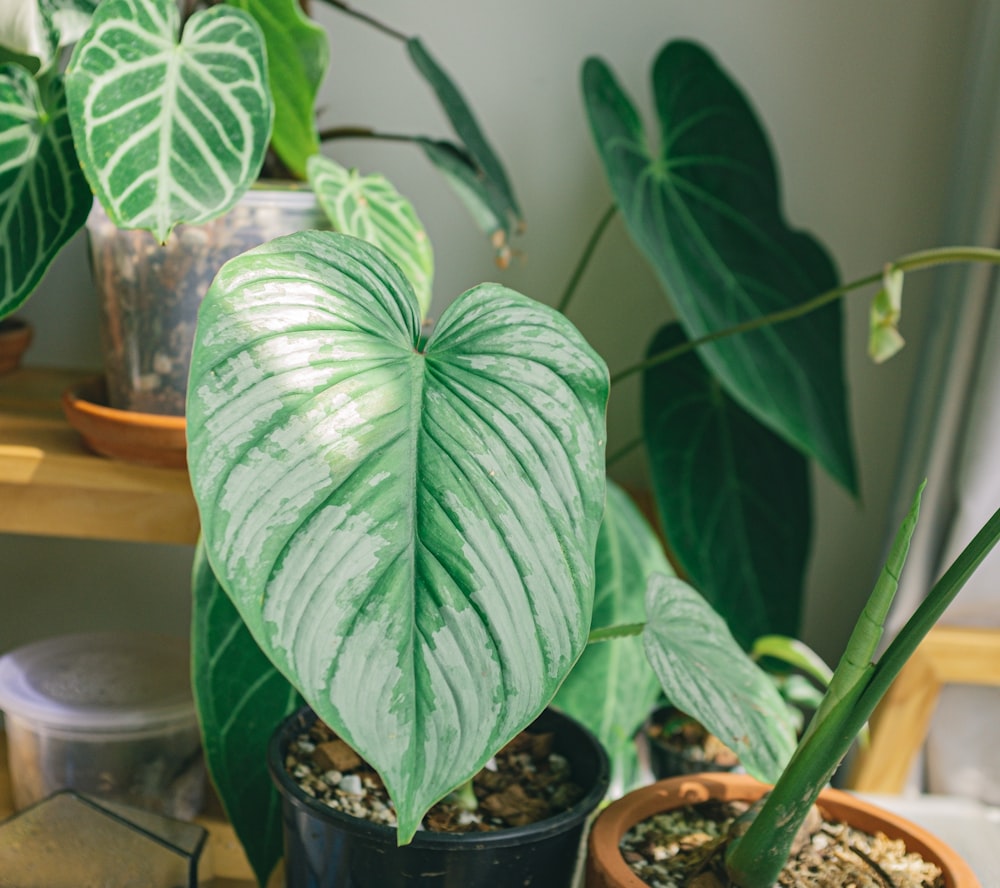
(408, 535)
(371, 208)
(169, 129)
(733, 497)
(44, 197)
(704, 209)
(612, 688)
(298, 53)
(706, 674)
(241, 699)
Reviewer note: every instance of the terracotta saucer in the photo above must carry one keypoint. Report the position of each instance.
(145, 438)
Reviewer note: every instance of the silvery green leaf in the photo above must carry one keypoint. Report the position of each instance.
(169, 129)
(409, 535)
(44, 198)
(371, 208)
(706, 674)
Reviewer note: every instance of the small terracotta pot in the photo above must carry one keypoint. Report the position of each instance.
(606, 868)
(15, 337)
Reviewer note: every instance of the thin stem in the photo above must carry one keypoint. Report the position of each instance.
(368, 20)
(624, 451)
(588, 252)
(909, 262)
(363, 132)
(622, 630)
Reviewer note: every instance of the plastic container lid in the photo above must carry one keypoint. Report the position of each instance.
(102, 682)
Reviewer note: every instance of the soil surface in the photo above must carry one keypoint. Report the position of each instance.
(690, 747)
(676, 850)
(523, 783)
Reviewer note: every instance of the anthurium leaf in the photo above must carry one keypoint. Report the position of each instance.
(461, 174)
(371, 208)
(241, 699)
(612, 688)
(468, 131)
(733, 497)
(706, 674)
(409, 535)
(169, 130)
(298, 53)
(705, 211)
(44, 197)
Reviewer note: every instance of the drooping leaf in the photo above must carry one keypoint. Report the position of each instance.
(733, 497)
(44, 197)
(465, 180)
(298, 53)
(793, 653)
(612, 688)
(706, 674)
(705, 211)
(169, 129)
(408, 535)
(241, 699)
(371, 208)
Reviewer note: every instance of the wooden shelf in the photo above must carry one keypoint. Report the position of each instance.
(51, 485)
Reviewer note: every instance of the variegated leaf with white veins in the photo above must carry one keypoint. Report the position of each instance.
(44, 198)
(169, 128)
(371, 208)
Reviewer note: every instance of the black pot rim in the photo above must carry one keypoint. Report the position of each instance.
(379, 832)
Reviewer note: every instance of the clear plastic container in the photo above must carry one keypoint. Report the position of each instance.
(110, 714)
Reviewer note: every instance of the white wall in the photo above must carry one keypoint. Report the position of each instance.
(859, 97)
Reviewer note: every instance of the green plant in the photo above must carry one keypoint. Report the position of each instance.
(415, 535)
(168, 114)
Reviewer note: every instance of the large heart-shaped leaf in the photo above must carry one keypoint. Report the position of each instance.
(705, 211)
(706, 674)
(44, 197)
(298, 53)
(612, 688)
(371, 208)
(169, 129)
(732, 496)
(241, 699)
(408, 535)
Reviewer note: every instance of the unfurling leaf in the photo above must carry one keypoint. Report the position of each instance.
(884, 338)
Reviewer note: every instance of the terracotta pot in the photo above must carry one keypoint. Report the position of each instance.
(606, 868)
(15, 337)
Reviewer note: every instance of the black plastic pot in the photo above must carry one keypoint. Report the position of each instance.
(329, 849)
(668, 761)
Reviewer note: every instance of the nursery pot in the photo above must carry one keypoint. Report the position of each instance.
(15, 337)
(326, 848)
(150, 293)
(677, 760)
(606, 868)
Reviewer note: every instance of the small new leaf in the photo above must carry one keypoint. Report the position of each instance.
(884, 338)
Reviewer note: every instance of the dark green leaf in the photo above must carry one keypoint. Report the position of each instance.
(241, 699)
(44, 196)
(612, 688)
(733, 497)
(706, 674)
(704, 210)
(410, 535)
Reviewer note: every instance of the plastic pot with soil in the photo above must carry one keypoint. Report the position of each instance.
(325, 847)
(680, 745)
(627, 827)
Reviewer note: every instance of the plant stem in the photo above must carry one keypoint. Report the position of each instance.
(347, 9)
(584, 261)
(363, 132)
(622, 630)
(909, 262)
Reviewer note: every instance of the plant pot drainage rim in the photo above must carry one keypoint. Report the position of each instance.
(427, 839)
